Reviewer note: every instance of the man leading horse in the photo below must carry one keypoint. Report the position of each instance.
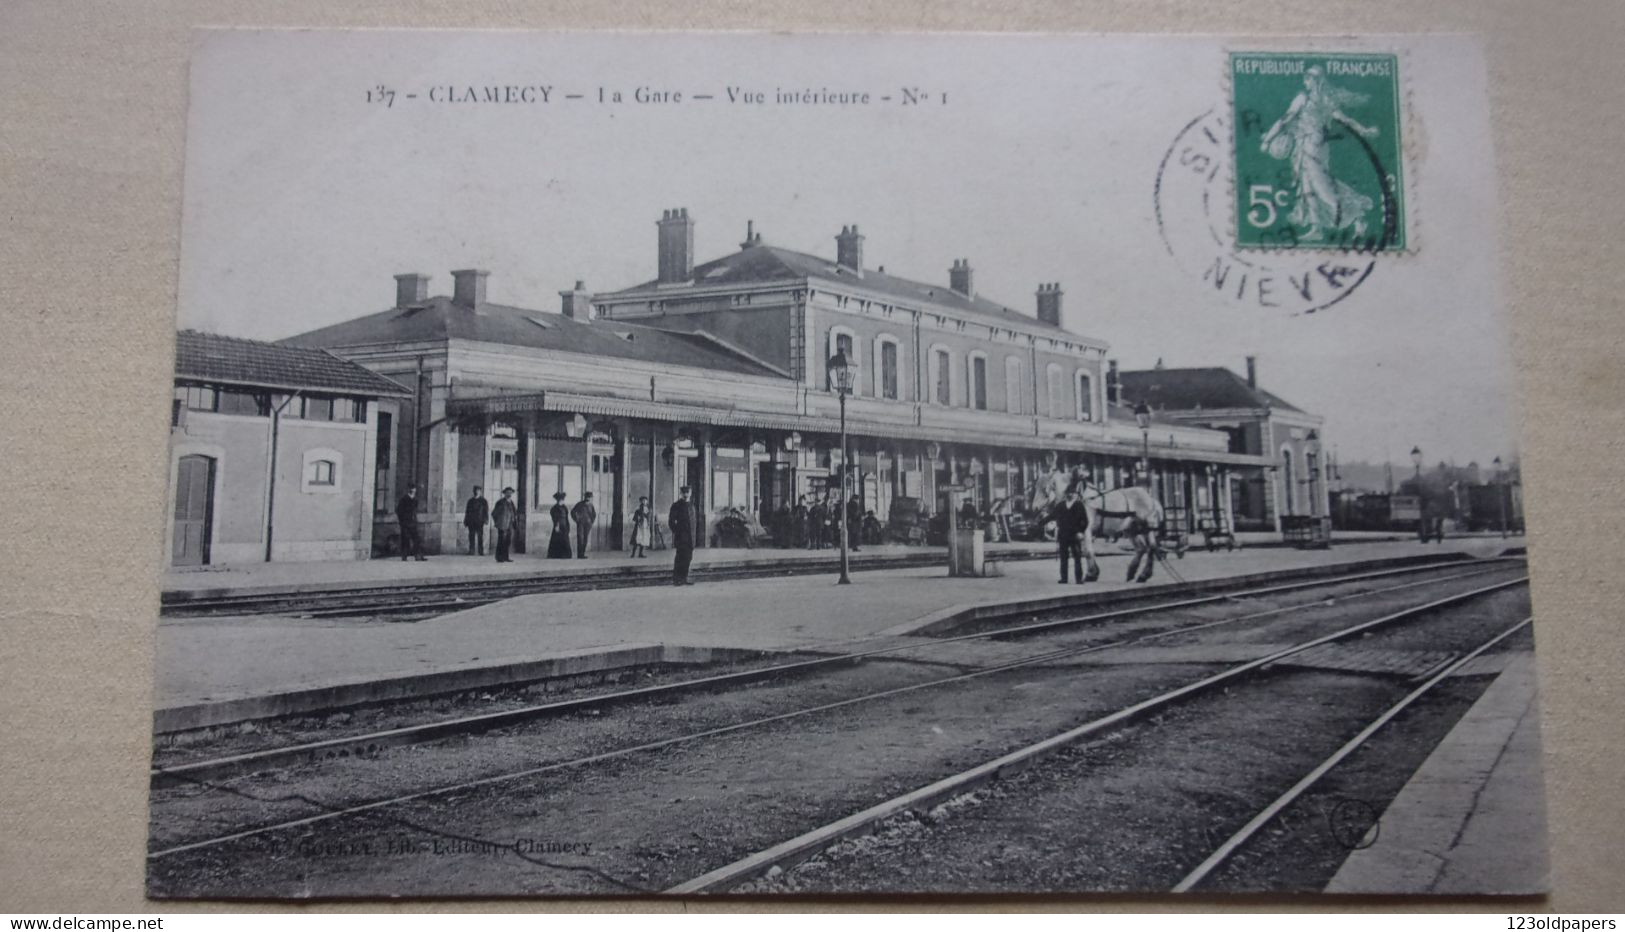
(1131, 512)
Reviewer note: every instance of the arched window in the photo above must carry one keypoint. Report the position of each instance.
(1012, 385)
(323, 470)
(843, 340)
(1056, 383)
(941, 376)
(1086, 396)
(976, 381)
(886, 377)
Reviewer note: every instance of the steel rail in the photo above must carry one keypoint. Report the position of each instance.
(399, 598)
(807, 843)
(338, 812)
(237, 764)
(467, 593)
(1247, 831)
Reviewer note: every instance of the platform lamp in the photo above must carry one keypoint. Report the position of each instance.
(1142, 416)
(841, 375)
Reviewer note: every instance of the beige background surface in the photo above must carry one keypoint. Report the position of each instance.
(92, 116)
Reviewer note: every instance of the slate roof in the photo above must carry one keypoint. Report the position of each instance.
(439, 319)
(211, 357)
(1188, 389)
(763, 264)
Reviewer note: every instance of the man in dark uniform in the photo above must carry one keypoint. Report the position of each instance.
(406, 512)
(1071, 517)
(475, 516)
(505, 516)
(584, 514)
(854, 523)
(817, 524)
(681, 521)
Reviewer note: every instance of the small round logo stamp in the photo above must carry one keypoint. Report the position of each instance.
(1192, 205)
(1354, 823)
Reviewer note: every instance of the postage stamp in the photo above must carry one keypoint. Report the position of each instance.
(1318, 151)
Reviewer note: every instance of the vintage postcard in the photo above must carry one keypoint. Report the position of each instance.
(610, 463)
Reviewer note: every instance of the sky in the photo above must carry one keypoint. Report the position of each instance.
(303, 199)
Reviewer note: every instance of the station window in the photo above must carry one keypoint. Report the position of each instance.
(1012, 385)
(978, 383)
(197, 397)
(322, 472)
(944, 386)
(318, 409)
(888, 370)
(1086, 397)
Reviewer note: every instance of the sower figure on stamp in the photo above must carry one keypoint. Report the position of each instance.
(584, 514)
(1071, 517)
(406, 513)
(504, 517)
(682, 523)
(1323, 201)
(475, 516)
(558, 545)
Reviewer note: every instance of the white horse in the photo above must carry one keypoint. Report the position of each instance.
(1131, 512)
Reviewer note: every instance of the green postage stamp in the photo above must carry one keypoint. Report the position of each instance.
(1318, 151)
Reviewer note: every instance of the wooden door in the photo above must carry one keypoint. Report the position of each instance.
(194, 511)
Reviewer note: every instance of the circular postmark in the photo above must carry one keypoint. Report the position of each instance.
(1192, 198)
(1354, 823)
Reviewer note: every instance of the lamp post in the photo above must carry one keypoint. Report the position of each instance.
(1421, 500)
(1142, 416)
(1500, 496)
(840, 376)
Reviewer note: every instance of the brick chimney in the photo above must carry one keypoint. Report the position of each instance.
(411, 289)
(1252, 371)
(959, 278)
(468, 287)
(1049, 303)
(752, 238)
(676, 247)
(849, 249)
(576, 303)
(1114, 383)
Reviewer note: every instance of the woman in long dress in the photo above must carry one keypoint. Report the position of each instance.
(558, 546)
(641, 537)
(1323, 203)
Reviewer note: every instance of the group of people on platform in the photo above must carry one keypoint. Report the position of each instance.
(504, 517)
(815, 524)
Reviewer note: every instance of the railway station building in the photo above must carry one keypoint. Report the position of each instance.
(712, 375)
(1290, 483)
(271, 452)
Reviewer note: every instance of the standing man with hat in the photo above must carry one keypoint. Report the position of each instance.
(406, 513)
(475, 517)
(584, 514)
(1071, 517)
(682, 524)
(504, 516)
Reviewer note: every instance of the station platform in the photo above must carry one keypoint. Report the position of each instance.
(268, 578)
(231, 658)
(1472, 819)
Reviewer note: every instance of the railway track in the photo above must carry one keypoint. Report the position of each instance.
(792, 851)
(318, 813)
(1014, 625)
(457, 595)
